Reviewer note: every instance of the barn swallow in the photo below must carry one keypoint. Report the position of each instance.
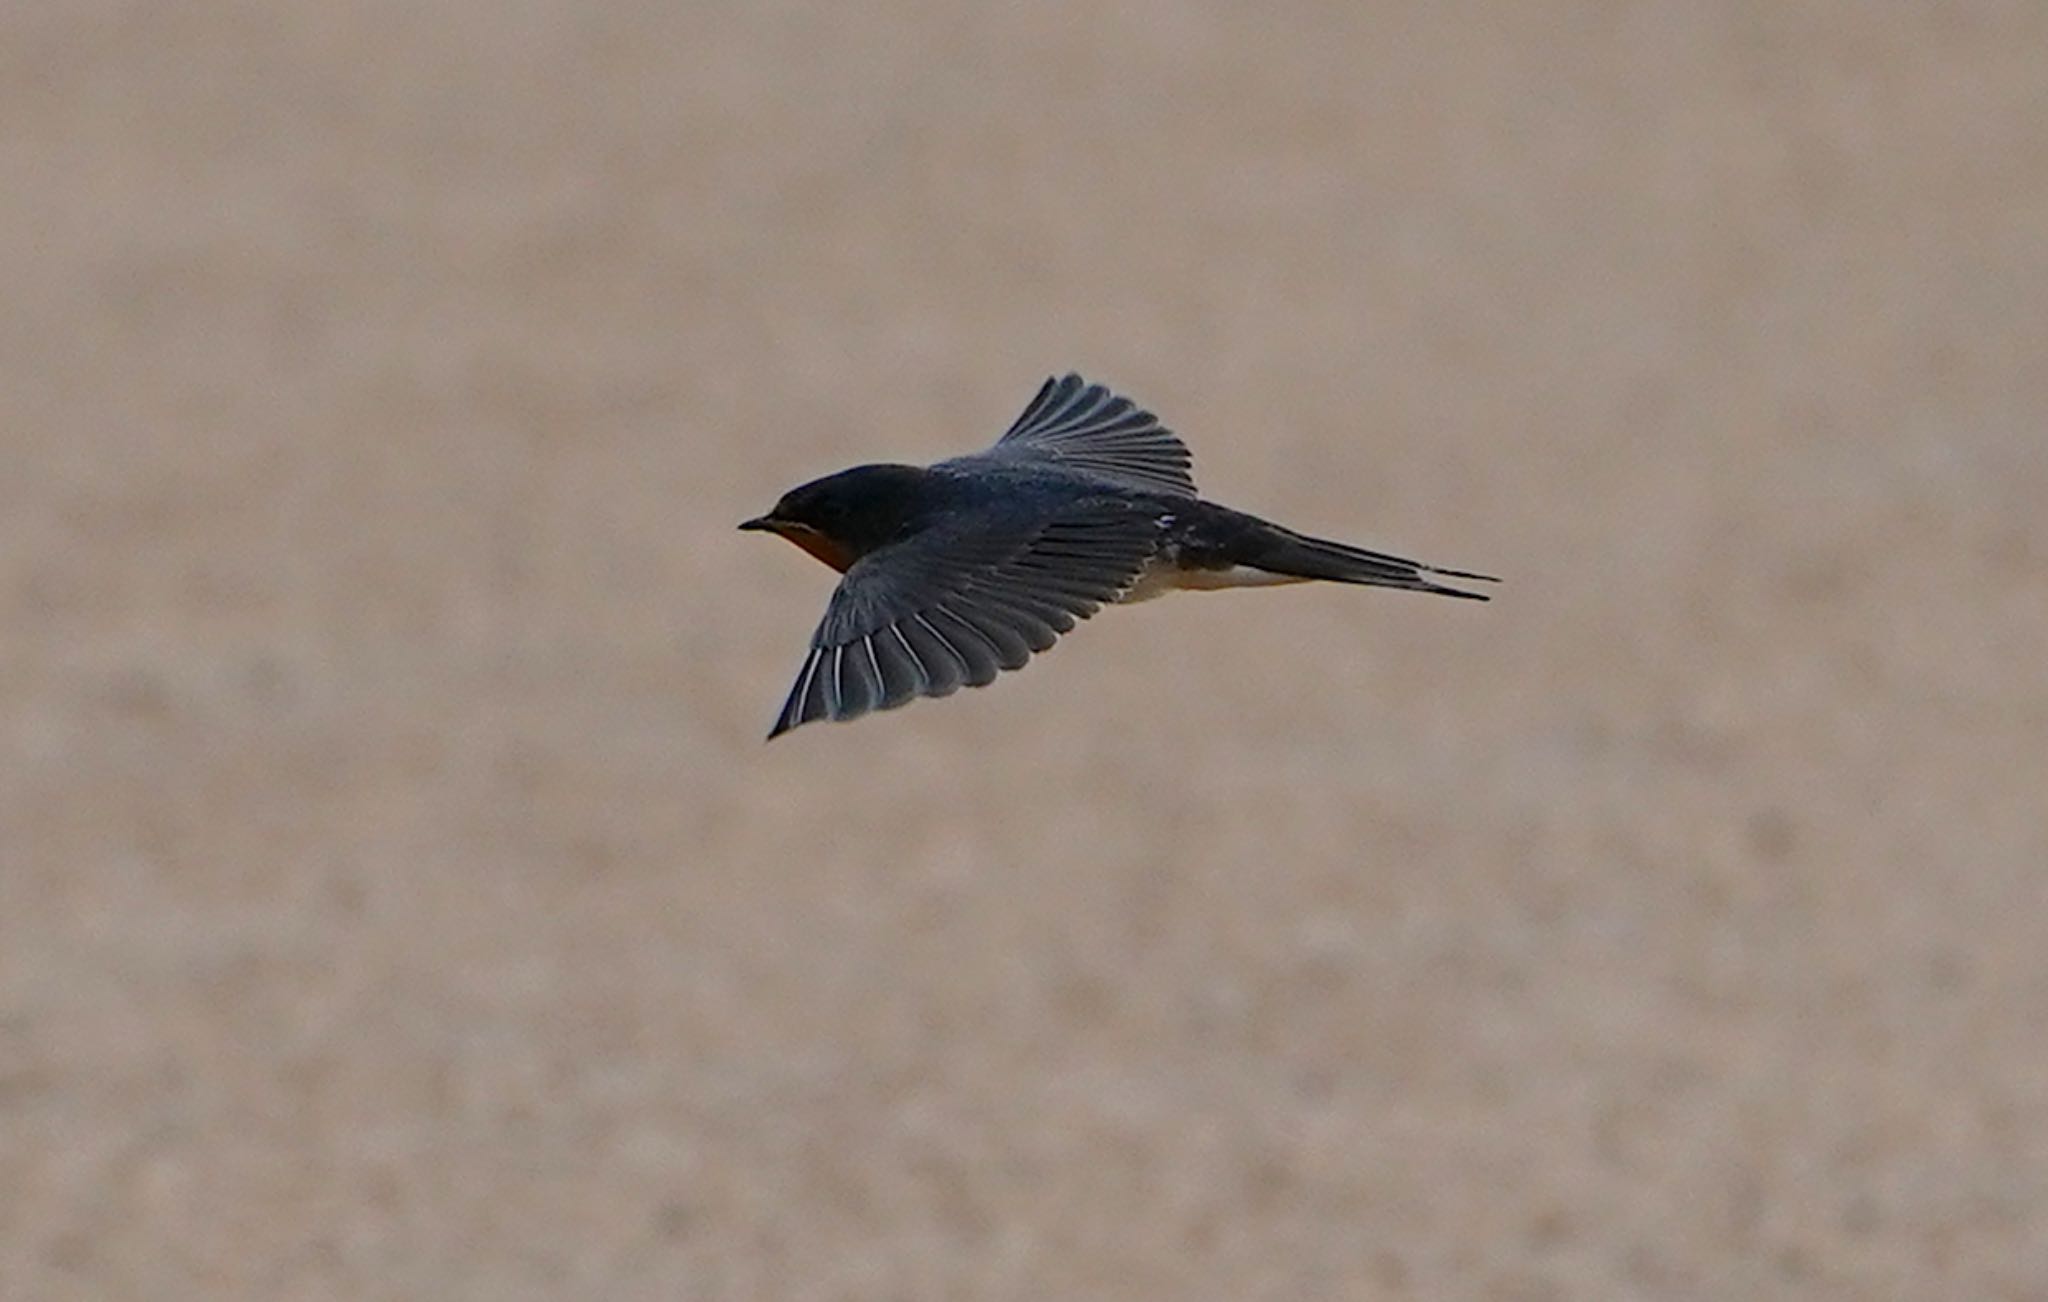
(956, 571)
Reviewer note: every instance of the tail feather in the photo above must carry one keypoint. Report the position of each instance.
(1287, 552)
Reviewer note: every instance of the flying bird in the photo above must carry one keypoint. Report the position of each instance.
(957, 571)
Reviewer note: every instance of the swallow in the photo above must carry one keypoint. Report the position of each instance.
(954, 572)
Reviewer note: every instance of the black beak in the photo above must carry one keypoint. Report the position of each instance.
(766, 523)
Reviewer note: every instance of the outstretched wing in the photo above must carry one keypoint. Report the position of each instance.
(1086, 428)
(947, 609)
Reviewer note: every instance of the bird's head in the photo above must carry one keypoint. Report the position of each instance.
(843, 517)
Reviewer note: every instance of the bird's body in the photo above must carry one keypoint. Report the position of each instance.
(956, 571)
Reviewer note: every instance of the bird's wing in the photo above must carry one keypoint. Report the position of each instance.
(950, 608)
(1086, 428)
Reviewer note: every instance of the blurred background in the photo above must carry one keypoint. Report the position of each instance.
(397, 899)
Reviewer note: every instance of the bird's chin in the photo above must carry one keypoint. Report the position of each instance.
(833, 553)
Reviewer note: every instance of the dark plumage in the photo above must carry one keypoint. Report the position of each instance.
(960, 570)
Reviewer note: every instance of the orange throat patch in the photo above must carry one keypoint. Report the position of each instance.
(817, 544)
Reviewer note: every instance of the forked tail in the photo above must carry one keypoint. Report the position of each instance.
(1283, 551)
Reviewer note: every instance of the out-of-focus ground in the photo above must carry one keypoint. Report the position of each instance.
(396, 898)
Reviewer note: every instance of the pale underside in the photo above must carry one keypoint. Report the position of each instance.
(1162, 576)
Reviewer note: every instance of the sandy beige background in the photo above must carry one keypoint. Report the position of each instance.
(396, 898)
